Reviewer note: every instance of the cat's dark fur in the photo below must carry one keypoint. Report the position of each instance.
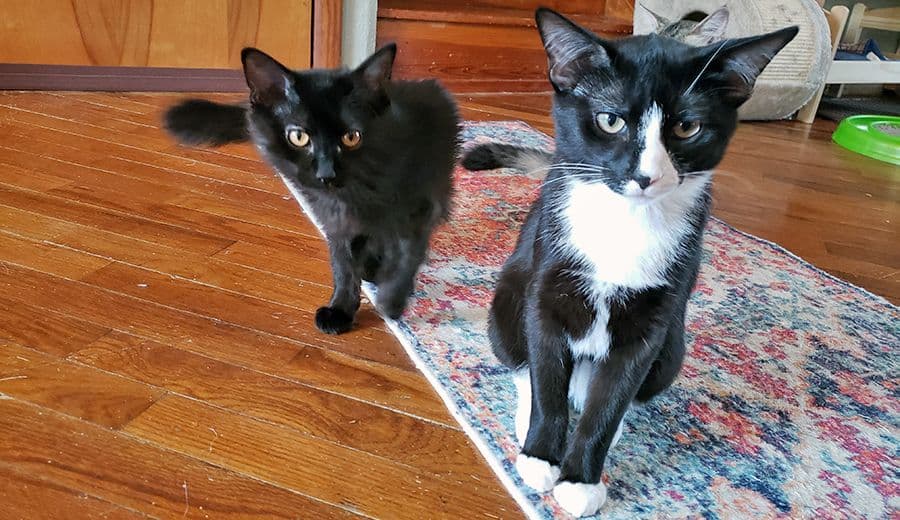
(377, 199)
(590, 306)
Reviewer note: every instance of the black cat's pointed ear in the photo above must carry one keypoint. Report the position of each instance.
(270, 82)
(376, 70)
(736, 64)
(712, 28)
(570, 48)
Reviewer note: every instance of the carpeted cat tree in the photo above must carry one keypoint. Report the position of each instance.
(793, 77)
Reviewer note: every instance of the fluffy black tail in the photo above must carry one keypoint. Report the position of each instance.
(201, 122)
(531, 161)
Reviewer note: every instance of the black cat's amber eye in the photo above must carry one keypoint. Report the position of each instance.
(686, 129)
(351, 139)
(609, 123)
(297, 137)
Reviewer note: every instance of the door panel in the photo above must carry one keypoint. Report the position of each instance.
(204, 34)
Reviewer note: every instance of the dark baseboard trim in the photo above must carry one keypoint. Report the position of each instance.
(15, 76)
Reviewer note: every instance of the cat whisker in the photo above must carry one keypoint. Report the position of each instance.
(706, 66)
(567, 177)
(703, 173)
(568, 167)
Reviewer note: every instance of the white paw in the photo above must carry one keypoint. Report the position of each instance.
(523, 407)
(580, 499)
(538, 474)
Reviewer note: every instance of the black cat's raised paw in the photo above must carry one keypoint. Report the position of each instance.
(331, 320)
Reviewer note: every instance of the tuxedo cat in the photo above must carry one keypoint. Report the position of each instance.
(370, 158)
(590, 306)
(535, 162)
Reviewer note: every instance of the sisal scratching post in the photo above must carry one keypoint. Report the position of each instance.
(796, 73)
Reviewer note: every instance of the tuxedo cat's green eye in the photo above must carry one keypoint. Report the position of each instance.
(351, 139)
(686, 129)
(297, 137)
(610, 123)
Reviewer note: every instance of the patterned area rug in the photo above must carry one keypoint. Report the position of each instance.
(787, 406)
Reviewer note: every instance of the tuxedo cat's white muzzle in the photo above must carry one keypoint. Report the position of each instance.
(656, 175)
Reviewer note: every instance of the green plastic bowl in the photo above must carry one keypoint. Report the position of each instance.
(877, 137)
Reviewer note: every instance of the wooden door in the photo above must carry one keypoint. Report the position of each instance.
(174, 41)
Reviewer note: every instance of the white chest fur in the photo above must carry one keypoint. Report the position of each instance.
(624, 244)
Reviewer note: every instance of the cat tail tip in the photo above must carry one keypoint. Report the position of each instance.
(200, 122)
(533, 162)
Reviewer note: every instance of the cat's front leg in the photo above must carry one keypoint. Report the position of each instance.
(395, 287)
(550, 368)
(338, 316)
(613, 384)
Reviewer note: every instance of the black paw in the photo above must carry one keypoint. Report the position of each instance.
(392, 309)
(331, 320)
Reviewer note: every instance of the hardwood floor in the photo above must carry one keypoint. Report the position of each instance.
(157, 353)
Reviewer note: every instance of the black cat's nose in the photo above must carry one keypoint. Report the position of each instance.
(643, 182)
(325, 173)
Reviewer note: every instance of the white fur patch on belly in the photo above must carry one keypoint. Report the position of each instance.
(595, 343)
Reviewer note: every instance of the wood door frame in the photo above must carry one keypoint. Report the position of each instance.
(325, 47)
(327, 16)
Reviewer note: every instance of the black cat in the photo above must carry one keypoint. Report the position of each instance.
(590, 307)
(370, 159)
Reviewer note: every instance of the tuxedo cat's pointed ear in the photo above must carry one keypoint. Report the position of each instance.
(269, 81)
(735, 64)
(376, 70)
(571, 49)
(712, 28)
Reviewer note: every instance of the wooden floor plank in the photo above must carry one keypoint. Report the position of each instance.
(47, 258)
(388, 386)
(85, 393)
(372, 485)
(356, 424)
(99, 141)
(31, 179)
(49, 333)
(249, 312)
(236, 269)
(257, 312)
(147, 181)
(117, 222)
(123, 470)
(30, 497)
(272, 257)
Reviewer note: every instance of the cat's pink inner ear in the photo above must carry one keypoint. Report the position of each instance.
(376, 70)
(743, 60)
(268, 80)
(571, 49)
